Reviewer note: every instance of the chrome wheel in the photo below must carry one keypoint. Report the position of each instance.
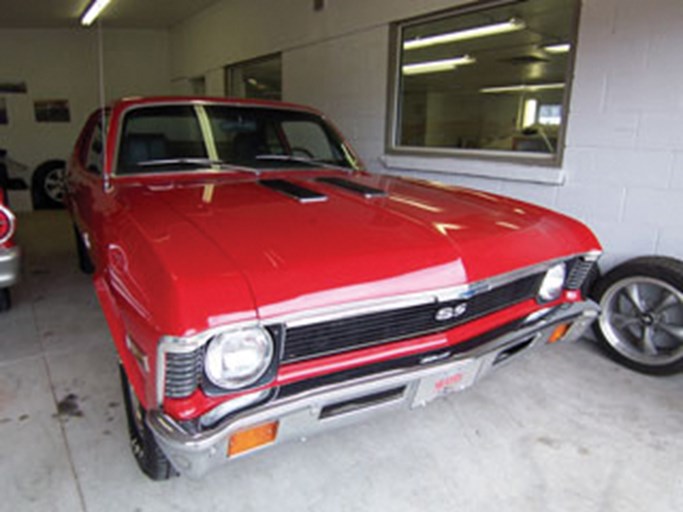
(643, 320)
(54, 184)
(48, 190)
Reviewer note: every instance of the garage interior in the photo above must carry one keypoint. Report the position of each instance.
(567, 429)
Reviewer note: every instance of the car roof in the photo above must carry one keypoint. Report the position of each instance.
(125, 103)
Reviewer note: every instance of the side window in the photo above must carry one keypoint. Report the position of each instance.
(307, 140)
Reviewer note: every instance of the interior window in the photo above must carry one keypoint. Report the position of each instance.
(257, 78)
(489, 80)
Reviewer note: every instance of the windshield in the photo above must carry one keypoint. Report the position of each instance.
(181, 137)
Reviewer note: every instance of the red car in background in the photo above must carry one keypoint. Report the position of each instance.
(9, 252)
(260, 286)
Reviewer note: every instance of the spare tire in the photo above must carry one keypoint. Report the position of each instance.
(641, 324)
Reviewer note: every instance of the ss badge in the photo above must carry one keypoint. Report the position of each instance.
(449, 313)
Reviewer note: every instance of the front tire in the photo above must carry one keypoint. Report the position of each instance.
(146, 450)
(641, 324)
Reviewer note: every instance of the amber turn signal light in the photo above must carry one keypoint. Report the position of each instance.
(558, 333)
(252, 438)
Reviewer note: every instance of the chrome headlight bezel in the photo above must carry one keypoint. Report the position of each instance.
(553, 283)
(250, 352)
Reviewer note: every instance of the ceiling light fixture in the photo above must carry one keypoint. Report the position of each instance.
(93, 11)
(511, 25)
(437, 66)
(558, 48)
(529, 114)
(522, 88)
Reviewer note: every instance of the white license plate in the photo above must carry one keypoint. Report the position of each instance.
(454, 377)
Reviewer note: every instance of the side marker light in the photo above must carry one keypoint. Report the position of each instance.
(252, 438)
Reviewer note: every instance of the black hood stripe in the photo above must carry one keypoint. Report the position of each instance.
(301, 194)
(352, 186)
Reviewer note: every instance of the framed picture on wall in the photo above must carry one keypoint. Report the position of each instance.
(13, 88)
(52, 111)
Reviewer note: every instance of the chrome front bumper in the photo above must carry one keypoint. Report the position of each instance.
(9, 266)
(325, 408)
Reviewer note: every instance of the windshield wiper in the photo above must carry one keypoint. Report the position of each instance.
(197, 162)
(303, 160)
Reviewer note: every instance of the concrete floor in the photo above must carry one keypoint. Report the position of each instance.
(562, 430)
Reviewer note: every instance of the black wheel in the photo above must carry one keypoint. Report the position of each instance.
(5, 299)
(47, 185)
(146, 451)
(641, 324)
(84, 261)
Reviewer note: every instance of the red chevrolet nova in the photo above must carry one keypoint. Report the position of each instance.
(260, 286)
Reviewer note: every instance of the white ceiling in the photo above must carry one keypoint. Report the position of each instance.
(119, 14)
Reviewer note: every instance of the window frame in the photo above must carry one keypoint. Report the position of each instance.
(394, 152)
(228, 69)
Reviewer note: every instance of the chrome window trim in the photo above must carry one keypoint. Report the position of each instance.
(111, 173)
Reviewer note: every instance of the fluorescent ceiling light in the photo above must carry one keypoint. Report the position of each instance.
(558, 48)
(522, 88)
(436, 66)
(529, 115)
(511, 25)
(93, 11)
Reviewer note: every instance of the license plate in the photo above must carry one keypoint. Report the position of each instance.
(455, 377)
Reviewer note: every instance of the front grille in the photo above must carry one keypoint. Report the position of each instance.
(183, 371)
(579, 270)
(372, 329)
(395, 364)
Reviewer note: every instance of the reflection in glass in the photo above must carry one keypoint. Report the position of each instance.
(492, 79)
(259, 78)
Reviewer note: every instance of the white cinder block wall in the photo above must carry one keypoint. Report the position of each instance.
(63, 64)
(623, 165)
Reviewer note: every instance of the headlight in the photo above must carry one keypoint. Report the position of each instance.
(553, 283)
(239, 358)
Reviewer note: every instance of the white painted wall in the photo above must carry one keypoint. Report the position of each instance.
(623, 166)
(63, 64)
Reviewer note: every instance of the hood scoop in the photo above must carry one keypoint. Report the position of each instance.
(352, 186)
(301, 194)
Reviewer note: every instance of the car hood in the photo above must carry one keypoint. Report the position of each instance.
(297, 255)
